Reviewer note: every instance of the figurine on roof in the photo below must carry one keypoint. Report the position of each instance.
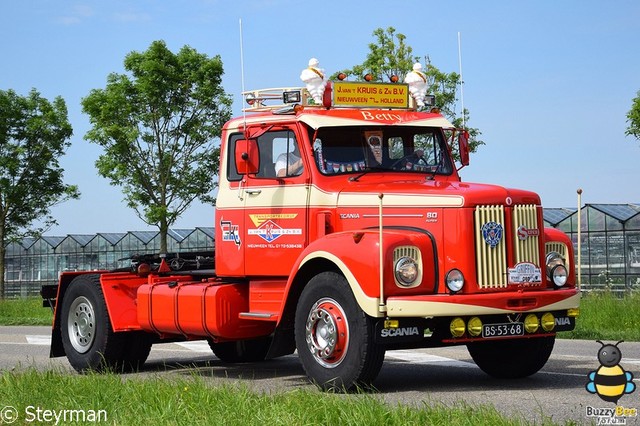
(314, 78)
(417, 81)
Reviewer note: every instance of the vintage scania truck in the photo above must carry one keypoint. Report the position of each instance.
(343, 230)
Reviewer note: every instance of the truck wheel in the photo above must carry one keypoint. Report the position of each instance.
(87, 336)
(512, 359)
(334, 337)
(252, 350)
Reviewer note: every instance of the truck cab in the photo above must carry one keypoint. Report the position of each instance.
(343, 230)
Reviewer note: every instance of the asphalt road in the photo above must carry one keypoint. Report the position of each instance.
(414, 377)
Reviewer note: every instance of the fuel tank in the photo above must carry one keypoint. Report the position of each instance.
(198, 309)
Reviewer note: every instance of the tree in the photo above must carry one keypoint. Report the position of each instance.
(34, 134)
(158, 127)
(391, 56)
(633, 118)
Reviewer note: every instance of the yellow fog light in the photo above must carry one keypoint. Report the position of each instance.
(531, 323)
(573, 312)
(457, 327)
(548, 322)
(474, 326)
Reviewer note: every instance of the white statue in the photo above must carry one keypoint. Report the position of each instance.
(314, 78)
(417, 81)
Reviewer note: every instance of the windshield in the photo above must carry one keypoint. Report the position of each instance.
(340, 150)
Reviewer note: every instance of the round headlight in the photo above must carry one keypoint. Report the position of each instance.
(552, 260)
(559, 275)
(406, 271)
(454, 280)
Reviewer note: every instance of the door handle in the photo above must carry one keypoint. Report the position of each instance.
(253, 191)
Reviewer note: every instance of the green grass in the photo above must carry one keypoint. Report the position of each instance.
(191, 401)
(167, 400)
(24, 312)
(606, 316)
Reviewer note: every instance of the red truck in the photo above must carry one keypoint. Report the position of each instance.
(343, 230)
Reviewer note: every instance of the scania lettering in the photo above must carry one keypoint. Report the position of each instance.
(342, 231)
(393, 332)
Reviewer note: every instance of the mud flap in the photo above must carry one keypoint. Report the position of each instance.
(400, 331)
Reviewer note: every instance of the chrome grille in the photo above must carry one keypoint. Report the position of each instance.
(491, 261)
(526, 235)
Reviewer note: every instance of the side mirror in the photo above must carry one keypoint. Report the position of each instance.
(247, 156)
(463, 147)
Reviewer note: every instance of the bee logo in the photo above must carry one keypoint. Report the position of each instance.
(610, 381)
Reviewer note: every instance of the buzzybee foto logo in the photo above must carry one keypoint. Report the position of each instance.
(610, 382)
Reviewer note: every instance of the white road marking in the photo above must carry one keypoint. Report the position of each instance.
(422, 358)
(196, 346)
(40, 340)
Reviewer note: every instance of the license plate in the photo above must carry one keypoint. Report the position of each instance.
(525, 273)
(503, 330)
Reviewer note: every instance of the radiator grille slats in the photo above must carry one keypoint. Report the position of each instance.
(525, 224)
(559, 248)
(492, 262)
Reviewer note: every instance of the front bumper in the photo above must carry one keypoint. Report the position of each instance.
(445, 305)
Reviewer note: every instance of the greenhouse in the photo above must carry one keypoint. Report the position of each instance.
(31, 263)
(609, 243)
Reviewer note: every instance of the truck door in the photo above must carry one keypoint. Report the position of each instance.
(276, 200)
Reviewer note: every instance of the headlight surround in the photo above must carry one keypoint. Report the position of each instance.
(454, 280)
(407, 266)
(556, 269)
(406, 271)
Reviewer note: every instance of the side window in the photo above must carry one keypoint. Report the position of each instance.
(232, 172)
(279, 155)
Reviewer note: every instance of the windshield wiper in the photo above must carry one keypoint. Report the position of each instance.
(367, 170)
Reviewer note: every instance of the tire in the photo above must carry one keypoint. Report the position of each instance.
(512, 359)
(252, 350)
(87, 335)
(334, 337)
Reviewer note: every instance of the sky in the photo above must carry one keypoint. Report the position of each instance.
(547, 82)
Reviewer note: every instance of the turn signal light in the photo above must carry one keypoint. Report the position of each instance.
(573, 312)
